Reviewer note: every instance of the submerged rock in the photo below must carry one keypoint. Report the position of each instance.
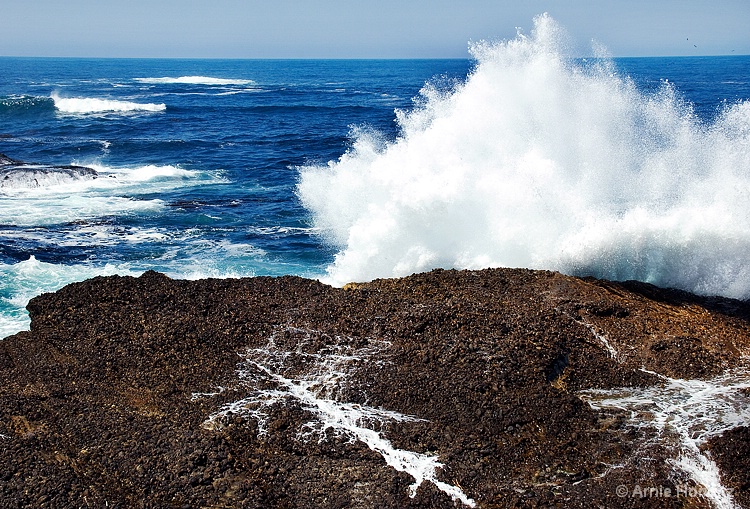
(444, 389)
(20, 175)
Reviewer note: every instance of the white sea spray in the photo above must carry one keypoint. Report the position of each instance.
(541, 161)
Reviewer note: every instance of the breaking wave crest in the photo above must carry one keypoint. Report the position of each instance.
(193, 80)
(540, 161)
(88, 105)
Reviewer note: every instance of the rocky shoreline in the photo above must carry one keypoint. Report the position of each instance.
(284, 392)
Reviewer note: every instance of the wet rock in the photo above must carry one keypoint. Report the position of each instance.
(732, 453)
(226, 393)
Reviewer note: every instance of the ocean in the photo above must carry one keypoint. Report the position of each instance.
(349, 170)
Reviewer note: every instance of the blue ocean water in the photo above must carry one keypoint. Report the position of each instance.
(197, 162)
(344, 169)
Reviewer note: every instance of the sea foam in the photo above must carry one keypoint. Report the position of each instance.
(125, 190)
(541, 161)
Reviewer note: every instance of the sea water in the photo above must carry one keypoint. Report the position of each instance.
(197, 161)
(519, 155)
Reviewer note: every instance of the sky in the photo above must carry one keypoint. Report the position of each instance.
(361, 29)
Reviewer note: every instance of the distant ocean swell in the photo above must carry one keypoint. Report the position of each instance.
(21, 104)
(540, 161)
(87, 105)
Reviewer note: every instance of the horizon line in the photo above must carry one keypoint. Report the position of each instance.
(468, 57)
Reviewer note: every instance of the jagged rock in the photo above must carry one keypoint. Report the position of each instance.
(18, 174)
(154, 392)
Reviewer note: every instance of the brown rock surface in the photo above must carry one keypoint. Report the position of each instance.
(120, 394)
(732, 453)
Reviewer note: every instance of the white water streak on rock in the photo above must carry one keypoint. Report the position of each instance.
(313, 376)
(693, 411)
(601, 337)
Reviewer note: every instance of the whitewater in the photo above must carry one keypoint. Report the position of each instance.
(86, 105)
(542, 161)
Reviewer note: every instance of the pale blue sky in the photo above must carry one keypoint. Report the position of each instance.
(360, 29)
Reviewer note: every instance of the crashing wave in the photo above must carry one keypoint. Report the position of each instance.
(20, 175)
(541, 161)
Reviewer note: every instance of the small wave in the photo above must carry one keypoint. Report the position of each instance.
(85, 105)
(105, 144)
(168, 176)
(48, 210)
(193, 80)
(20, 104)
(282, 231)
(35, 180)
(85, 234)
(155, 172)
(236, 91)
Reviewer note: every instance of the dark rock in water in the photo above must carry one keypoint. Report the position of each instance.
(7, 161)
(18, 174)
(284, 392)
